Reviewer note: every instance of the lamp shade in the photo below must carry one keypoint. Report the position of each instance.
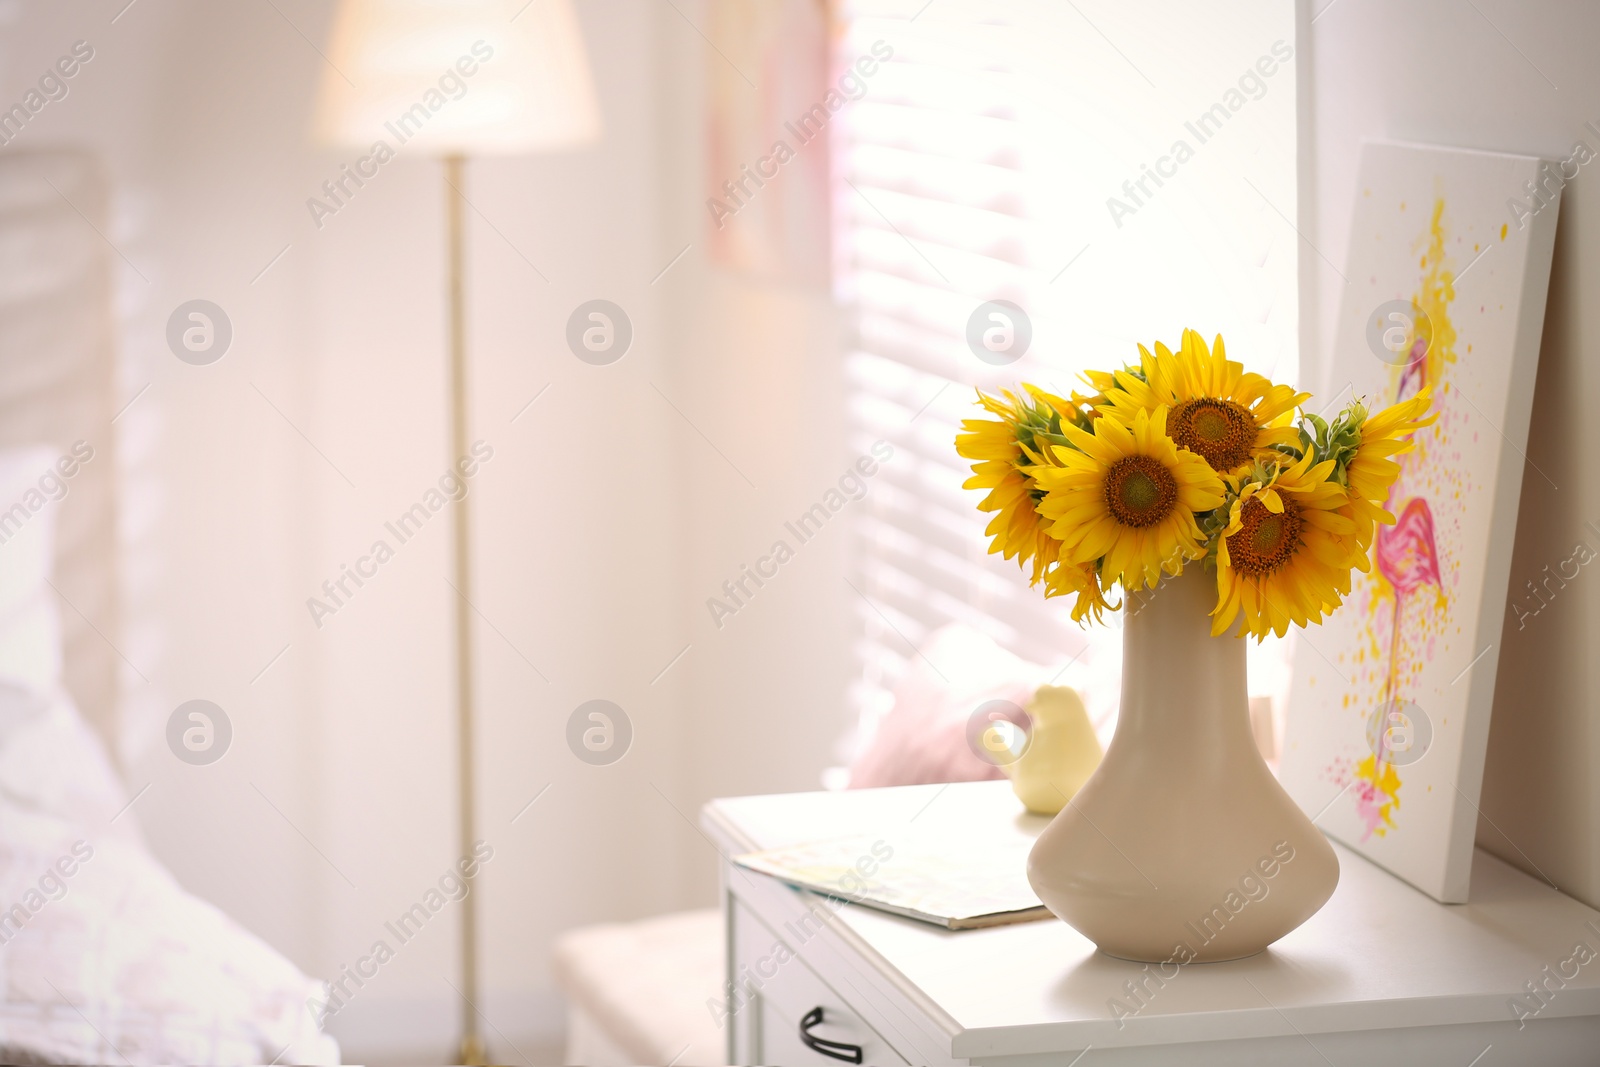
(457, 77)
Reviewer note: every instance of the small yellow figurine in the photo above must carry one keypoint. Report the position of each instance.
(1061, 753)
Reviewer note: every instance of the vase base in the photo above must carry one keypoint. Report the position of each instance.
(1130, 958)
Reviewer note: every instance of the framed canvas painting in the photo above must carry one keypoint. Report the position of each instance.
(1388, 716)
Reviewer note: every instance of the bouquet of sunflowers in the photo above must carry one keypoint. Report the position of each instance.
(1185, 457)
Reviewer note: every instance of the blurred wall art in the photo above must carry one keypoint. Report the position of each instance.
(770, 103)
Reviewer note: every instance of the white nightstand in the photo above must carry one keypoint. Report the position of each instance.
(1381, 975)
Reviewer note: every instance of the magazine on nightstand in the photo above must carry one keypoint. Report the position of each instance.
(953, 884)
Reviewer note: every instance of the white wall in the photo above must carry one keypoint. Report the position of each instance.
(232, 518)
(1514, 77)
(758, 363)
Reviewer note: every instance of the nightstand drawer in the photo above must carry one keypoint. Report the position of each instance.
(787, 998)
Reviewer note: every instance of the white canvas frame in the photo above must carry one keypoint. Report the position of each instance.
(1499, 255)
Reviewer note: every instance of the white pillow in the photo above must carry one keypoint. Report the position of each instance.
(105, 958)
(30, 623)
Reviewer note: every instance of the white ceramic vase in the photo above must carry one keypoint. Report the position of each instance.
(1182, 846)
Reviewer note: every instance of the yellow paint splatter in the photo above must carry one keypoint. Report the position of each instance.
(1390, 666)
(1433, 299)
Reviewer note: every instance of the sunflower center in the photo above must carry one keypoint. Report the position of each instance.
(1221, 431)
(1140, 491)
(1266, 540)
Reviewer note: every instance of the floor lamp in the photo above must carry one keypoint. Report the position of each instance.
(453, 81)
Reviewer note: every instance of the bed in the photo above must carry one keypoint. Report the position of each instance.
(103, 956)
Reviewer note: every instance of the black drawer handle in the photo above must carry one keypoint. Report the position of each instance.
(839, 1050)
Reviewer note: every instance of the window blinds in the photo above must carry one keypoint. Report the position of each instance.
(979, 163)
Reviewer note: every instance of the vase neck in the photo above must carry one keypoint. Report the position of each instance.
(1177, 679)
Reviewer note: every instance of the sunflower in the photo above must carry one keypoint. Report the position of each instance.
(1218, 411)
(1002, 453)
(1286, 552)
(1082, 579)
(1125, 495)
(1372, 471)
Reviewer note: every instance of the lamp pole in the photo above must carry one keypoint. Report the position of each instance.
(472, 1049)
